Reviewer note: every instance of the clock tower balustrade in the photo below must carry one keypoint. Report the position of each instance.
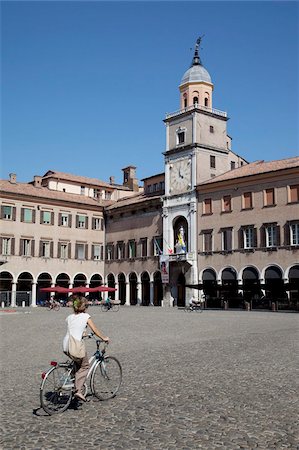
(198, 108)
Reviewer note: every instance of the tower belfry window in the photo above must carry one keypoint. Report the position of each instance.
(195, 100)
(206, 101)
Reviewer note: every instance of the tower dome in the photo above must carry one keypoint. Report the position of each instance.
(196, 73)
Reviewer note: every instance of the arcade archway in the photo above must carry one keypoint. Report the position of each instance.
(145, 289)
(122, 288)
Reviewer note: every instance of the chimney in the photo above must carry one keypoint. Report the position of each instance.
(13, 178)
(37, 181)
(112, 180)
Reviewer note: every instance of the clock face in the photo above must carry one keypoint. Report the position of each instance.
(180, 176)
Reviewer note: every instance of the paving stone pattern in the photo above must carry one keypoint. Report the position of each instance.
(216, 380)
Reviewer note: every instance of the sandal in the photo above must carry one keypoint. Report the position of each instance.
(80, 396)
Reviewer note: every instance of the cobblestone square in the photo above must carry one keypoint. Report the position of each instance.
(216, 380)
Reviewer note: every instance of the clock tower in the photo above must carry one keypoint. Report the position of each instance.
(197, 148)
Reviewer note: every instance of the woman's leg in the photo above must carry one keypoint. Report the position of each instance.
(81, 373)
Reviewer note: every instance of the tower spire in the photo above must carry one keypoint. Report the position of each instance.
(196, 59)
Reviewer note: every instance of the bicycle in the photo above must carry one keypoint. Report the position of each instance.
(104, 379)
(107, 306)
(52, 305)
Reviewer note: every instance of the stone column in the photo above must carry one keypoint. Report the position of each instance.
(138, 289)
(128, 294)
(33, 294)
(117, 292)
(13, 294)
(152, 293)
(70, 287)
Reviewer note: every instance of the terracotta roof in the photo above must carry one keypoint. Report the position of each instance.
(79, 179)
(255, 168)
(48, 194)
(134, 200)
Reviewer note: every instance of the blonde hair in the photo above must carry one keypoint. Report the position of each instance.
(79, 304)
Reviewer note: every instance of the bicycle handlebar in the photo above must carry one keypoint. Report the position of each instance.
(92, 336)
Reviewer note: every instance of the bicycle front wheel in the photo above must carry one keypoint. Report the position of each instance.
(115, 308)
(106, 378)
(56, 307)
(55, 393)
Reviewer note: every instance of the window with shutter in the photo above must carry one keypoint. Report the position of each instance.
(294, 233)
(247, 200)
(7, 212)
(269, 197)
(294, 194)
(207, 241)
(6, 246)
(80, 251)
(81, 221)
(143, 247)
(27, 215)
(46, 217)
(226, 203)
(207, 206)
(227, 239)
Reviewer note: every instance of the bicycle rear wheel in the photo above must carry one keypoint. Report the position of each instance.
(106, 378)
(56, 307)
(55, 393)
(104, 308)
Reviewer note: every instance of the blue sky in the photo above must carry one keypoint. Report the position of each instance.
(86, 85)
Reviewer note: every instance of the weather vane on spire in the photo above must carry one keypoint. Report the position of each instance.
(196, 59)
(199, 41)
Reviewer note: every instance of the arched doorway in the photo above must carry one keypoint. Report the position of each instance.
(274, 286)
(293, 287)
(158, 289)
(111, 283)
(24, 286)
(209, 281)
(229, 288)
(6, 280)
(62, 280)
(95, 281)
(79, 280)
(44, 280)
(145, 289)
(181, 283)
(133, 288)
(122, 288)
(251, 287)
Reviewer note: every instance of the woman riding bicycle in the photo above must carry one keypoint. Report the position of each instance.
(76, 324)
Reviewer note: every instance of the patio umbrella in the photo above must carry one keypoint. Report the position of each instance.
(102, 289)
(84, 289)
(79, 290)
(59, 289)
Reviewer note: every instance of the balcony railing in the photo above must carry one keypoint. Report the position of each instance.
(190, 256)
(217, 112)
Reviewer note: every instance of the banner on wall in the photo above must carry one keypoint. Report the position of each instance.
(164, 267)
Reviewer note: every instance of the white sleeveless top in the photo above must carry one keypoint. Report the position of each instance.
(76, 324)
